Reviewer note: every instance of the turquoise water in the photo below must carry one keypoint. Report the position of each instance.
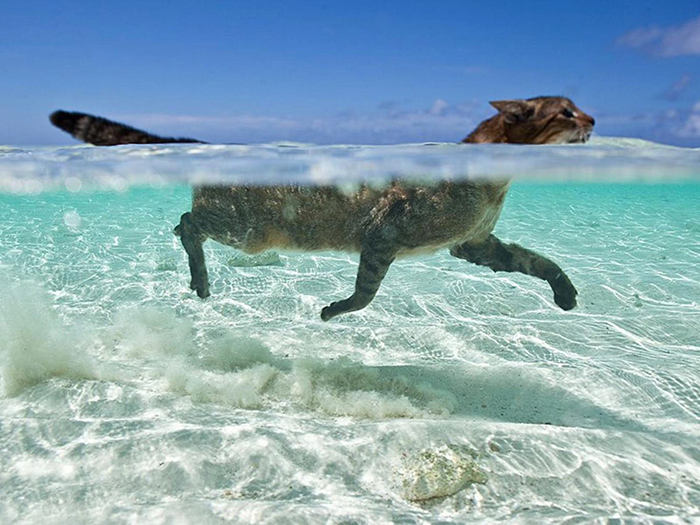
(457, 395)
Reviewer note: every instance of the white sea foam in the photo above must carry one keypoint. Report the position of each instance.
(150, 345)
(36, 345)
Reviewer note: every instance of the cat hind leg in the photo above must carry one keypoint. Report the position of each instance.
(501, 257)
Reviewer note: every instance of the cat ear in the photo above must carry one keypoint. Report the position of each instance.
(514, 110)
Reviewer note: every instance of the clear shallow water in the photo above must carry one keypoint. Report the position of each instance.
(125, 397)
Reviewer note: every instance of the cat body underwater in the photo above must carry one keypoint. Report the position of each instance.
(382, 224)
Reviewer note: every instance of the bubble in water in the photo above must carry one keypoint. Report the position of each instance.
(73, 184)
(33, 187)
(72, 219)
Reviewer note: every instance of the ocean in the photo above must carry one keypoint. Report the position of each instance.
(458, 395)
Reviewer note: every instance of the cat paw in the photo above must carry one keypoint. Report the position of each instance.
(202, 289)
(564, 292)
(565, 302)
(328, 312)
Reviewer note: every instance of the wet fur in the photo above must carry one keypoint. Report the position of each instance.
(382, 224)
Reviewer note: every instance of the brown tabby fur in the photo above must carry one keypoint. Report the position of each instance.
(102, 132)
(382, 224)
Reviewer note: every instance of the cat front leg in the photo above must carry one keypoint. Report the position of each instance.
(501, 257)
(374, 263)
(192, 240)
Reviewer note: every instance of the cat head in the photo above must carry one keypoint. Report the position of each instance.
(544, 120)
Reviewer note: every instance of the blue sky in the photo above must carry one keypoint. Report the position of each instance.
(362, 72)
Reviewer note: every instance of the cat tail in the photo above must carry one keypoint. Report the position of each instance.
(102, 132)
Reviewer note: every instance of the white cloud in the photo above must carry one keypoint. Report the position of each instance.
(691, 127)
(666, 42)
(679, 126)
(390, 124)
(676, 90)
(640, 37)
(439, 107)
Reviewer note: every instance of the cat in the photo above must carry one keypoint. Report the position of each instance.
(381, 224)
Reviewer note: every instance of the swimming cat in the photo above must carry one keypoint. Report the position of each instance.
(381, 224)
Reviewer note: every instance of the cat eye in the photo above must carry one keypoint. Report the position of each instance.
(568, 113)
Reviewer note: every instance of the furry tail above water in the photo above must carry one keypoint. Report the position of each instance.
(102, 132)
